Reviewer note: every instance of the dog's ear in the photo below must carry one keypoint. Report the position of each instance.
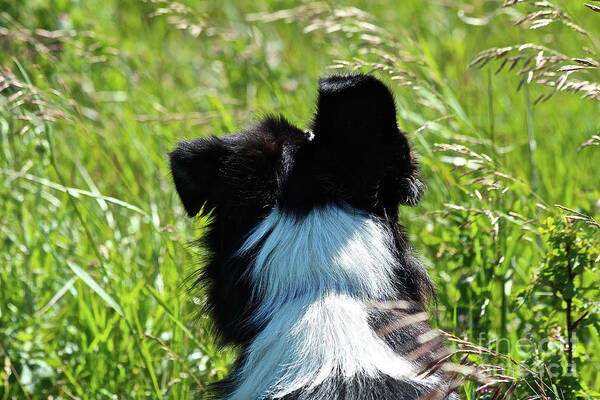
(195, 165)
(358, 142)
(353, 108)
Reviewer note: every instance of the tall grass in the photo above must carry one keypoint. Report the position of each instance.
(94, 252)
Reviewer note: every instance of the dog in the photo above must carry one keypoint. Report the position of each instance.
(308, 267)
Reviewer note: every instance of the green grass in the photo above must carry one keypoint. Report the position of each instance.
(94, 250)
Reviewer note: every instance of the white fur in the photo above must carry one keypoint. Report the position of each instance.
(314, 275)
(331, 249)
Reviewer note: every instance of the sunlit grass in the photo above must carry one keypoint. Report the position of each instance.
(95, 247)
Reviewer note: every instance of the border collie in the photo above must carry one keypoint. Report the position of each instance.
(308, 267)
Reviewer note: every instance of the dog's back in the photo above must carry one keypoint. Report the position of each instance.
(309, 271)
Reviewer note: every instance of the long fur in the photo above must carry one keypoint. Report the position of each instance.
(316, 306)
(331, 249)
(304, 243)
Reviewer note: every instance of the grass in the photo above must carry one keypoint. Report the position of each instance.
(94, 253)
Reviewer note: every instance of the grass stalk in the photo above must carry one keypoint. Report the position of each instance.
(92, 241)
(491, 111)
(531, 143)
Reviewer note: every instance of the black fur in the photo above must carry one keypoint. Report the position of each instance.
(358, 154)
(358, 157)
(362, 388)
(237, 178)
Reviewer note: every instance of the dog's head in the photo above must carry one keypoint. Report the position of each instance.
(354, 154)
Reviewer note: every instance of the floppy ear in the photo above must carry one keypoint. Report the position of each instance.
(195, 165)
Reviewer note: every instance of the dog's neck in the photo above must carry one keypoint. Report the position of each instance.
(332, 249)
(313, 278)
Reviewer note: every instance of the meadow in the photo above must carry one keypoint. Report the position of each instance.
(95, 258)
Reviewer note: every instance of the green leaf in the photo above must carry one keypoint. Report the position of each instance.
(91, 283)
